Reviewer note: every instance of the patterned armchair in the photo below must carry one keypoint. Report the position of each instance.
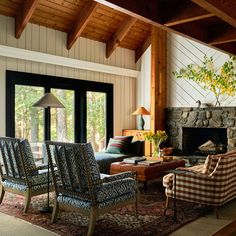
(213, 183)
(19, 173)
(79, 186)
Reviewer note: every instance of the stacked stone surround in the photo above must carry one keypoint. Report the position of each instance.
(192, 117)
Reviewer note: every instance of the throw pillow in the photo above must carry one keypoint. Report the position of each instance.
(136, 147)
(119, 144)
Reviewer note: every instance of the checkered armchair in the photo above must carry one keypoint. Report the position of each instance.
(79, 185)
(213, 183)
(19, 174)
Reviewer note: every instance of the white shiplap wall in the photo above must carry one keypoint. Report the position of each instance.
(180, 92)
(184, 93)
(45, 40)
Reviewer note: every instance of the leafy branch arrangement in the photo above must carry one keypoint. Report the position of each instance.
(220, 81)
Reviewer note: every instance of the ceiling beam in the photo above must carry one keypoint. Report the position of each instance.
(147, 11)
(190, 12)
(82, 21)
(119, 35)
(223, 37)
(23, 16)
(139, 52)
(220, 8)
(228, 47)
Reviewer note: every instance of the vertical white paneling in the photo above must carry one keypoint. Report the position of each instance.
(144, 85)
(42, 39)
(3, 35)
(42, 47)
(35, 46)
(3, 63)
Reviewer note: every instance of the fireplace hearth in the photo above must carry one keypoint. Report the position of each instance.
(204, 141)
(216, 124)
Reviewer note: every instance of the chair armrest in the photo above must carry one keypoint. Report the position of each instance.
(189, 177)
(123, 175)
(193, 169)
(116, 189)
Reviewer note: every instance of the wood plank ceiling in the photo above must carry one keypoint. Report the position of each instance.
(127, 23)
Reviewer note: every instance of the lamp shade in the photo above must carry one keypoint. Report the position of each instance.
(48, 100)
(141, 111)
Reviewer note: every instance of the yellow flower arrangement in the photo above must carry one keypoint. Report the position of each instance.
(156, 138)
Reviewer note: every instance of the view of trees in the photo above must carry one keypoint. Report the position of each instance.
(29, 120)
(96, 119)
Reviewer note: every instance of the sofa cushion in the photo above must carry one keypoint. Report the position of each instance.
(119, 144)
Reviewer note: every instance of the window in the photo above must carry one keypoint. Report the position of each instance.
(96, 120)
(62, 119)
(84, 101)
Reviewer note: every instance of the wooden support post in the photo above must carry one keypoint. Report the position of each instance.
(158, 77)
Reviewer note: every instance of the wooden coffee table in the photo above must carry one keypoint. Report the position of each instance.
(145, 173)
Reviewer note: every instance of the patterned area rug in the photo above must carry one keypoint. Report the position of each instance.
(122, 222)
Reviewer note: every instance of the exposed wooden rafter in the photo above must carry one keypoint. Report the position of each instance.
(139, 52)
(228, 47)
(190, 12)
(147, 11)
(219, 8)
(225, 37)
(82, 21)
(119, 35)
(23, 16)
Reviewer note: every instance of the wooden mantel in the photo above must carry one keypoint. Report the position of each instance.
(158, 77)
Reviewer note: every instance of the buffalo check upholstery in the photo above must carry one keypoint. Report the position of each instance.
(213, 183)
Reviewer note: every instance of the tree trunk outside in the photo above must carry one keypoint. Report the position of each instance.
(61, 118)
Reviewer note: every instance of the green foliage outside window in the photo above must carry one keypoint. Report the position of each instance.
(29, 121)
(220, 81)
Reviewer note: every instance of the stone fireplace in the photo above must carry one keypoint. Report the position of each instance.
(213, 139)
(190, 127)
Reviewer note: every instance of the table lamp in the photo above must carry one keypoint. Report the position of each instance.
(48, 101)
(140, 122)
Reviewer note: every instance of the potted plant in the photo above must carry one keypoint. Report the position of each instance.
(156, 139)
(220, 81)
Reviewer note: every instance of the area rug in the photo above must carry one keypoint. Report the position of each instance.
(122, 222)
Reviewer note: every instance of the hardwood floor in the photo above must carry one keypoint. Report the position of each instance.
(208, 225)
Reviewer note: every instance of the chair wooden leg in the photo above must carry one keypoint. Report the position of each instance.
(55, 211)
(167, 202)
(2, 193)
(167, 205)
(92, 220)
(216, 212)
(27, 200)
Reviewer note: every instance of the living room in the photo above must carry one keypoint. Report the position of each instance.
(40, 53)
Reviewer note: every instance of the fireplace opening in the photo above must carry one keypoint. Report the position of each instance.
(204, 141)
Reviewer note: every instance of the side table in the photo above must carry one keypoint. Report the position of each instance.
(175, 172)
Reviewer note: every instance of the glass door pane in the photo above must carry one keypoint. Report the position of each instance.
(29, 121)
(62, 119)
(96, 120)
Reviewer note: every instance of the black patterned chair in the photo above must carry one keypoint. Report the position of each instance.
(19, 174)
(79, 186)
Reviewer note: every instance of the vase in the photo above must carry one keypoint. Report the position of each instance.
(155, 149)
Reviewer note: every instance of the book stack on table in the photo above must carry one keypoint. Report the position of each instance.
(142, 161)
(134, 160)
